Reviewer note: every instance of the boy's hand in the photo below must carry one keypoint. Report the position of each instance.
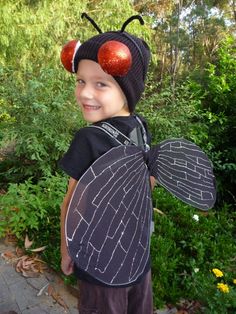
(67, 265)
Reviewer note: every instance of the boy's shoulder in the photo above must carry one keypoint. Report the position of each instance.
(95, 135)
(122, 123)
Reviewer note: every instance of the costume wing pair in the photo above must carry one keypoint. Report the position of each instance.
(109, 216)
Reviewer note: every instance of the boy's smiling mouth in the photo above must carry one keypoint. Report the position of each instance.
(90, 107)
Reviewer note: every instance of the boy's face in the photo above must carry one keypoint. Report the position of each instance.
(98, 94)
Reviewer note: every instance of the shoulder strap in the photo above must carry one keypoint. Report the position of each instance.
(114, 133)
(142, 135)
(138, 136)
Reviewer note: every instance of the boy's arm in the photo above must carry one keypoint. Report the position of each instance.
(153, 182)
(66, 262)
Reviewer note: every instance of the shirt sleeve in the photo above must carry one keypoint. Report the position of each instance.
(87, 145)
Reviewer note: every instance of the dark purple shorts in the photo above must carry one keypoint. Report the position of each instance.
(136, 299)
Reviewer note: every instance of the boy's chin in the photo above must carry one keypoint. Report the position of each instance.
(92, 119)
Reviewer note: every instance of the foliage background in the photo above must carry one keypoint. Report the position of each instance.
(190, 93)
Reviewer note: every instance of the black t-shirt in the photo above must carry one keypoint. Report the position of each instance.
(89, 144)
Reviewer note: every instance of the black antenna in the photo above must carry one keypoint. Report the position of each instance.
(91, 21)
(134, 17)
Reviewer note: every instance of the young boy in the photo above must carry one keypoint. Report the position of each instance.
(107, 98)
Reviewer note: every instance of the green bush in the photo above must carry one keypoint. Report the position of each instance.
(185, 248)
(42, 117)
(203, 112)
(174, 114)
(218, 84)
(35, 209)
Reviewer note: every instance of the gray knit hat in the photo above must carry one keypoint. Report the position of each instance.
(133, 77)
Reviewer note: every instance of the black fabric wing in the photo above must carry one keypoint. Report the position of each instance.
(109, 217)
(184, 170)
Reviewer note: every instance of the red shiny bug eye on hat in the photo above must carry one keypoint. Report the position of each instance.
(114, 58)
(68, 53)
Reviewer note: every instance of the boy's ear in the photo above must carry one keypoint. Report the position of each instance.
(68, 53)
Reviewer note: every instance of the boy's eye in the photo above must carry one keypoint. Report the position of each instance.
(79, 81)
(100, 84)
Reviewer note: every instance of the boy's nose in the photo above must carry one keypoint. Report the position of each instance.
(86, 92)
